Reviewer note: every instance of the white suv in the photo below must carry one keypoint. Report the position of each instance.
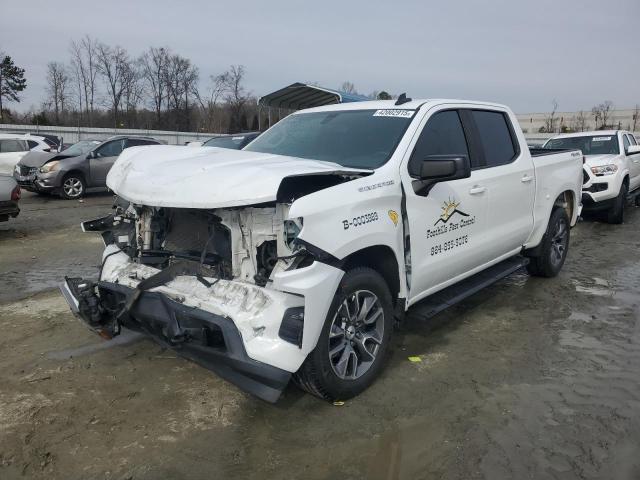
(611, 169)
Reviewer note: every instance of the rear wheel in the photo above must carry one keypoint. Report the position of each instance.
(354, 340)
(73, 186)
(616, 213)
(554, 246)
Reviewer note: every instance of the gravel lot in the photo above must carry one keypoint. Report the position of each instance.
(530, 378)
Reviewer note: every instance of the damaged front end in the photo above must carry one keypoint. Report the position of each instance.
(228, 288)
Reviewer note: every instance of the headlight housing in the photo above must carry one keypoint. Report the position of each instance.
(604, 170)
(291, 231)
(49, 167)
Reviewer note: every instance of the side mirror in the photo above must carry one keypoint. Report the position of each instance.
(437, 168)
(91, 154)
(633, 149)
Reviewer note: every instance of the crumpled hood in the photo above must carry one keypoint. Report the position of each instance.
(599, 160)
(36, 158)
(207, 177)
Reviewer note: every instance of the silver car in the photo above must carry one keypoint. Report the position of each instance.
(9, 196)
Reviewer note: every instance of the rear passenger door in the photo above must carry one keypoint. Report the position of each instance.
(11, 151)
(102, 159)
(509, 181)
(447, 224)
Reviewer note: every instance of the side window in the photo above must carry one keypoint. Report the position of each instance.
(10, 145)
(632, 139)
(625, 142)
(442, 135)
(110, 149)
(134, 142)
(32, 144)
(496, 137)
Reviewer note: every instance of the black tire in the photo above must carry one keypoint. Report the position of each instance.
(616, 214)
(319, 374)
(554, 246)
(637, 202)
(73, 186)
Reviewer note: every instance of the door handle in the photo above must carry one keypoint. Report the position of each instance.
(526, 179)
(477, 190)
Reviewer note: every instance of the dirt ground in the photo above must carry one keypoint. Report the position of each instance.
(531, 378)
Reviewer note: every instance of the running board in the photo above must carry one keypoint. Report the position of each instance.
(455, 293)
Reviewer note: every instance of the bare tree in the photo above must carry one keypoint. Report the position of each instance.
(113, 64)
(181, 80)
(550, 120)
(133, 88)
(154, 63)
(209, 103)
(348, 87)
(579, 122)
(236, 98)
(57, 88)
(635, 117)
(84, 63)
(602, 113)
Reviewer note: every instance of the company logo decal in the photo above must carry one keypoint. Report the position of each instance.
(393, 215)
(449, 209)
(451, 219)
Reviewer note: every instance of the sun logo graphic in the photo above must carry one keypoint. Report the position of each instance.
(449, 208)
(393, 215)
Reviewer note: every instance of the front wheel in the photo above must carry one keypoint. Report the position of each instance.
(354, 340)
(73, 187)
(616, 214)
(554, 247)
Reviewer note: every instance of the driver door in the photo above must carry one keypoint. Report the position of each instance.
(448, 224)
(102, 159)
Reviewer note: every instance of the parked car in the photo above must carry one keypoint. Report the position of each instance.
(611, 169)
(9, 197)
(234, 142)
(34, 142)
(12, 149)
(71, 172)
(295, 256)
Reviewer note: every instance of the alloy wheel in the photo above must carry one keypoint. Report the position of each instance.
(72, 187)
(355, 335)
(559, 241)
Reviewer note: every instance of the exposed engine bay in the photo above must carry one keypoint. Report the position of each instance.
(243, 243)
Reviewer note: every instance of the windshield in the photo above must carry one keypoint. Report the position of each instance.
(354, 138)
(595, 145)
(235, 142)
(80, 148)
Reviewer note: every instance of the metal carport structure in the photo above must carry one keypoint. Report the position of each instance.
(300, 95)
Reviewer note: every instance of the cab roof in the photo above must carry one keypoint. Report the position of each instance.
(414, 104)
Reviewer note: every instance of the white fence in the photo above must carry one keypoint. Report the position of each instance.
(74, 134)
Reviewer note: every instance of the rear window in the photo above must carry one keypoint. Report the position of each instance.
(590, 145)
(495, 136)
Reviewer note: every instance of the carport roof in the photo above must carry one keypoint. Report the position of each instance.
(300, 95)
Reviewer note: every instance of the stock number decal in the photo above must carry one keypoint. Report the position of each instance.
(449, 245)
(360, 220)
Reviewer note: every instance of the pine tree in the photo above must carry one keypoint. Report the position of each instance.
(12, 81)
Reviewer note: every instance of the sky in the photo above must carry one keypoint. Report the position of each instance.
(518, 52)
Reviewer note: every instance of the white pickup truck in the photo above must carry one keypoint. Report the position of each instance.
(295, 256)
(611, 169)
